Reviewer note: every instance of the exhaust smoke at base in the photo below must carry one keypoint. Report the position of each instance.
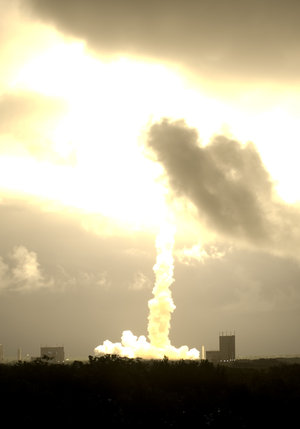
(161, 307)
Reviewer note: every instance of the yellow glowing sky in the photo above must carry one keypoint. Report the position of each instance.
(110, 102)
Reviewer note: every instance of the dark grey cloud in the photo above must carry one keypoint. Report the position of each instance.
(250, 39)
(228, 184)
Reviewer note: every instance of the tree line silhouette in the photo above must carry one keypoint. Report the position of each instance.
(140, 393)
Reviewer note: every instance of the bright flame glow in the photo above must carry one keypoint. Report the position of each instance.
(161, 307)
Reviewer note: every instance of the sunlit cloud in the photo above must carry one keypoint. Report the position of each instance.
(21, 272)
(99, 135)
(198, 253)
(25, 274)
(140, 282)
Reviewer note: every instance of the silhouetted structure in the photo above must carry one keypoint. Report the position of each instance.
(55, 354)
(1, 353)
(227, 347)
(226, 352)
(203, 353)
(213, 356)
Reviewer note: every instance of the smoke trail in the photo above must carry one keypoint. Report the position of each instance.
(161, 307)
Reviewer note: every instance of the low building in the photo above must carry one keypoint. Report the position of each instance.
(213, 356)
(53, 354)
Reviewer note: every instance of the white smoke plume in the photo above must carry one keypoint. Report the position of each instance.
(161, 307)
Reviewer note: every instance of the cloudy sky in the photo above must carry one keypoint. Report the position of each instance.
(113, 113)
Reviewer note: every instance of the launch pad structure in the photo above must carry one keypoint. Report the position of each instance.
(226, 352)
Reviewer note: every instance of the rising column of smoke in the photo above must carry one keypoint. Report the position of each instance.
(161, 307)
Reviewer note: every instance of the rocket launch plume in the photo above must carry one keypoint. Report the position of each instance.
(161, 307)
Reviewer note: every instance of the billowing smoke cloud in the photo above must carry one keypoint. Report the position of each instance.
(161, 307)
(214, 38)
(229, 186)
